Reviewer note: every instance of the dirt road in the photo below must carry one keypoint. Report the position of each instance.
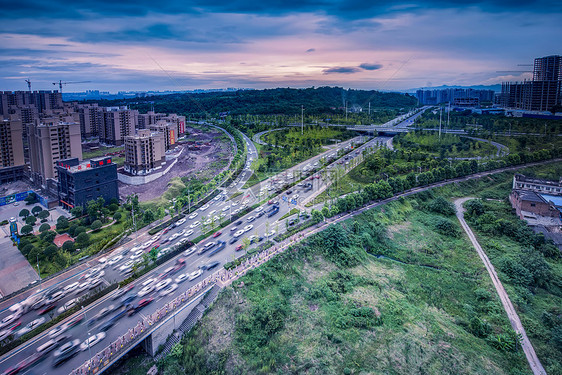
(532, 358)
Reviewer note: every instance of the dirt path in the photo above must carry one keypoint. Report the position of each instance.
(532, 358)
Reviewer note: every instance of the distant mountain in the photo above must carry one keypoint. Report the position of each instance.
(496, 88)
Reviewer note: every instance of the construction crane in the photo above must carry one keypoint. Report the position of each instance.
(60, 83)
(28, 84)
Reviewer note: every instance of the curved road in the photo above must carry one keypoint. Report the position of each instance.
(532, 358)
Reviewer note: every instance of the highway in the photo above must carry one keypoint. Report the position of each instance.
(257, 226)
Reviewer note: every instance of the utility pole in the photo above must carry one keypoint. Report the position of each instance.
(440, 115)
(369, 108)
(302, 119)
(448, 115)
(346, 110)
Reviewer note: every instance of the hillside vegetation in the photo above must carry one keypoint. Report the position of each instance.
(396, 290)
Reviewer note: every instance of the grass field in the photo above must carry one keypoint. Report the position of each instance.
(448, 146)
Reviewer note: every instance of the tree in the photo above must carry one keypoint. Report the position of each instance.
(48, 236)
(35, 210)
(24, 213)
(149, 216)
(62, 223)
(50, 250)
(96, 225)
(83, 240)
(77, 211)
(442, 206)
(43, 215)
(78, 230)
(26, 229)
(31, 198)
(117, 216)
(68, 246)
(316, 216)
(44, 227)
(30, 220)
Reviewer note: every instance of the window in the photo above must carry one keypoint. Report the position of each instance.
(532, 204)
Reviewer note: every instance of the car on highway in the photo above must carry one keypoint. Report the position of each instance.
(233, 240)
(8, 320)
(248, 228)
(216, 234)
(67, 306)
(128, 264)
(195, 274)
(65, 352)
(96, 282)
(208, 266)
(195, 224)
(115, 259)
(181, 278)
(193, 215)
(162, 284)
(250, 219)
(233, 229)
(128, 299)
(239, 247)
(180, 221)
(220, 245)
(169, 289)
(270, 233)
(102, 313)
(260, 214)
(239, 233)
(204, 207)
(139, 306)
(137, 254)
(188, 233)
(46, 309)
(189, 251)
(206, 247)
(30, 326)
(225, 208)
(259, 209)
(70, 288)
(54, 297)
(50, 345)
(122, 291)
(91, 341)
(107, 325)
(57, 331)
(146, 290)
(174, 236)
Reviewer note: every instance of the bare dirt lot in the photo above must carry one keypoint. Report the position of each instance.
(205, 154)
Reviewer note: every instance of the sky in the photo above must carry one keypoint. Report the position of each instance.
(128, 45)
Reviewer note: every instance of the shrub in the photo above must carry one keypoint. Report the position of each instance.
(117, 216)
(76, 211)
(442, 206)
(446, 227)
(78, 230)
(83, 240)
(48, 236)
(96, 225)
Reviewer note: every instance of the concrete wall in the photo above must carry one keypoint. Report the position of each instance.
(167, 327)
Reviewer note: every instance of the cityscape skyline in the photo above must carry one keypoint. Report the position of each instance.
(178, 46)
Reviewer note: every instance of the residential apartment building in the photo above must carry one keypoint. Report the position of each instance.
(459, 95)
(542, 93)
(144, 152)
(51, 141)
(169, 130)
(44, 101)
(521, 182)
(118, 122)
(81, 182)
(91, 119)
(12, 164)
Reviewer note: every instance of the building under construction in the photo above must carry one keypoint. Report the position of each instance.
(542, 93)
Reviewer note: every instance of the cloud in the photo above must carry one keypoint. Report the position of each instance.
(310, 50)
(341, 70)
(367, 66)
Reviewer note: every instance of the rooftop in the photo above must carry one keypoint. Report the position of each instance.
(522, 178)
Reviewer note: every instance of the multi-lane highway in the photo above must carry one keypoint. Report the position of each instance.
(116, 266)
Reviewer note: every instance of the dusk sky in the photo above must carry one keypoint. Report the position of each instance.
(184, 45)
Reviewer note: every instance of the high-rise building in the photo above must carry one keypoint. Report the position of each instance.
(91, 119)
(169, 130)
(49, 142)
(118, 123)
(44, 101)
(460, 95)
(543, 93)
(81, 182)
(144, 152)
(12, 165)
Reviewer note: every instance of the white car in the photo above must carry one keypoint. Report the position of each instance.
(115, 259)
(96, 275)
(188, 233)
(7, 320)
(248, 228)
(180, 221)
(252, 238)
(194, 275)
(174, 236)
(250, 219)
(30, 326)
(181, 278)
(82, 287)
(225, 208)
(269, 234)
(181, 232)
(296, 196)
(193, 216)
(91, 341)
(239, 233)
(259, 209)
(148, 282)
(211, 213)
(245, 203)
(95, 283)
(208, 222)
(189, 251)
(128, 264)
(223, 214)
(234, 204)
(70, 288)
(261, 193)
(144, 291)
(162, 284)
(137, 254)
(204, 207)
(169, 289)
(55, 332)
(67, 306)
(195, 224)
